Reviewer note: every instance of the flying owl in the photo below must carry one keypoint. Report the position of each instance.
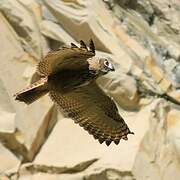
(69, 76)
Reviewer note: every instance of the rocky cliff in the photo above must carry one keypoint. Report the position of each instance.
(143, 39)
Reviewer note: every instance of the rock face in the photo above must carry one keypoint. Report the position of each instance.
(142, 39)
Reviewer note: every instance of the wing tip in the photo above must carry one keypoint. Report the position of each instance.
(92, 46)
(73, 45)
(109, 140)
(117, 141)
(83, 45)
(101, 140)
(18, 98)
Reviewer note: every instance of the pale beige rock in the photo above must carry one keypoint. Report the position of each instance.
(24, 17)
(129, 42)
(9, 162)
(155, 71)
(34, 7)
(46, 176)
(105, 175)
(54, 31)
(30, 122)
(157, 74)
(156, 35)
(10, 49)
(174, 50)
(81, 14)
(68, 145)
(124, 35)
(173, 133)
(33, 122)
(169, 12)
(159, 152)
(65, 144)
(3, 177)
(111, 174)
(122, 88)
(28, 72)
(165, 84)
(82, 23)
(175, 94)
(7, 111)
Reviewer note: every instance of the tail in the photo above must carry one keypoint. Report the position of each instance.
(33, 92)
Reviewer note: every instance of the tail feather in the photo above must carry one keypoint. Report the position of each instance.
(33, 92)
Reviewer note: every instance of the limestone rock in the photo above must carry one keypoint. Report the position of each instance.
(122, 88)
(142, 39)
(24, 16)
(9, 162)
(158, 154)
(169, 12)
(7, 111)
(3, 177)
(157, 74)
(55, 32)
(156, 36)
(25, 125)
(69, 146)
(173, 124)
(82, 23)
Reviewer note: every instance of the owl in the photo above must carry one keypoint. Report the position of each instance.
(69, 76)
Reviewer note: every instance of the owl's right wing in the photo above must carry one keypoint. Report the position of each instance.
(96, 112)
(66, 58)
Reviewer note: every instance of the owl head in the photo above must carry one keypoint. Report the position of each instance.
(105, 65)
(100, 65)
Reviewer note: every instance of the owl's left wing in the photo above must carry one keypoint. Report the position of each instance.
(71, 57)
(96, 112)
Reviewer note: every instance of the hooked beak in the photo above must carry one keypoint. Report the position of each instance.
(111, 67)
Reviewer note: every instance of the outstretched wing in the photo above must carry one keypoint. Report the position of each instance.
(96, 112)
(66, 57)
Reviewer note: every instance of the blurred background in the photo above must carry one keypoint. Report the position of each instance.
(142, 37)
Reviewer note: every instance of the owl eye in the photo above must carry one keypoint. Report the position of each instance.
(106, 63)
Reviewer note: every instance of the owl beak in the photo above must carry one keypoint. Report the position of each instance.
(111, 67)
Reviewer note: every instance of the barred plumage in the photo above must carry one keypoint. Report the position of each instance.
(69, 75)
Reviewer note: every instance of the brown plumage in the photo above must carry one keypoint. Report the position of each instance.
(68, 75)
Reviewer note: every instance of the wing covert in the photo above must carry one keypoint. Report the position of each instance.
(65, 57)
